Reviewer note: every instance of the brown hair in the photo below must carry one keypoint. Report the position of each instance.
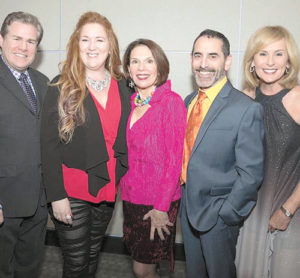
(72, 81)
(160, 58)
(261, 38)
(25, 18)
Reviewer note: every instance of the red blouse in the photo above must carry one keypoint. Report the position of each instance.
(75, 180)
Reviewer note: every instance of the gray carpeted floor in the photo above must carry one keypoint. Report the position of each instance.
(110, 266)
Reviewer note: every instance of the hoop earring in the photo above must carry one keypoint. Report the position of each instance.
(287, 70)
(252, 69)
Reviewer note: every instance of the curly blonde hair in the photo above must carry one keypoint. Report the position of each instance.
(72, 83)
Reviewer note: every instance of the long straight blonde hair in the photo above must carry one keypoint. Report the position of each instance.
(72, 83)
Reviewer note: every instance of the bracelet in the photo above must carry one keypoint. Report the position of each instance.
(286, 212)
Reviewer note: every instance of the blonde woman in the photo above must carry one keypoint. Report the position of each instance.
(269, 242)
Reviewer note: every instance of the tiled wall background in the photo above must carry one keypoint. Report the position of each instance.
(171, 23)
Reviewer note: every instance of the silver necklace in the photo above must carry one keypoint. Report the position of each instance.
(99, 85)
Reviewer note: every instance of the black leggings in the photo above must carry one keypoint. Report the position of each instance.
(81, 242)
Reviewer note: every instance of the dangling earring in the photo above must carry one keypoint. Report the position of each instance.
(109, 62)
(131, 84)
(252, 68)
(287, 70)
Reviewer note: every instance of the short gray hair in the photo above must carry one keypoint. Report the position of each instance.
(22, 17)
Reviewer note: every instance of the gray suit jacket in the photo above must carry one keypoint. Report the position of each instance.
(20, 162)
(226, 163)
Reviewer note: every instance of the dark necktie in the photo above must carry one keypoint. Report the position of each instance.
(28, 92)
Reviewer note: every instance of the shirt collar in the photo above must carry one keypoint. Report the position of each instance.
(15, 73)
(213, 91)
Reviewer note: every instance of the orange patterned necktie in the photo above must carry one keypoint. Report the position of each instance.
(194, 122)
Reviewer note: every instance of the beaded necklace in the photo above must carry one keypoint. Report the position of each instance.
(139, 102)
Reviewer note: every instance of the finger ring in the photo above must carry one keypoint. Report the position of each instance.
(68, 217)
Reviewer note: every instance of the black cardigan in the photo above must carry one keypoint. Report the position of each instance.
(87, 150)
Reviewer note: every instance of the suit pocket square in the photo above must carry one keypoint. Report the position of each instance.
(220, 191)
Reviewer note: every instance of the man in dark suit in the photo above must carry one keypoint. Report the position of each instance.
(223, 161)
(23, 211)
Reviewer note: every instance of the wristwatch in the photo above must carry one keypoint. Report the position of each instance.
(286, 212)
(1, 207)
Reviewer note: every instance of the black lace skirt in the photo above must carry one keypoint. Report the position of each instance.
(137, 235)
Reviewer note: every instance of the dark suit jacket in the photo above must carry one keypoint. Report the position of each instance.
(20, 162)
(87, 150)
(226, 163)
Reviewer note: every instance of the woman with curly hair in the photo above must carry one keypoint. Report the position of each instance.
(84, 151)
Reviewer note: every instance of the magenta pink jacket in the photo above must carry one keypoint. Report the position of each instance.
(155, 147)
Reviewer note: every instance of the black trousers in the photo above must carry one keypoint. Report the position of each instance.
(22, 244)
(81, 242)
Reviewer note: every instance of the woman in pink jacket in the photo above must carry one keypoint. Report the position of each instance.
(155, 133)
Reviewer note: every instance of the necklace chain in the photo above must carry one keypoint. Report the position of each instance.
(99, 85)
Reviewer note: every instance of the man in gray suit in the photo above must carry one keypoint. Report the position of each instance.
(224, 167)
(23, 211)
